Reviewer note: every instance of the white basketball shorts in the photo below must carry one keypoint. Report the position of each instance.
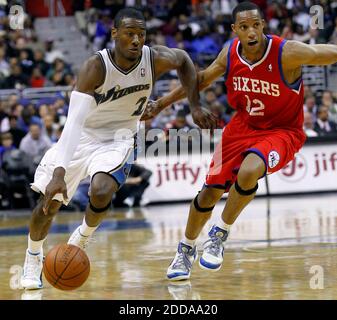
(90, 157)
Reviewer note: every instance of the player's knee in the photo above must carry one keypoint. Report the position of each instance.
(101, 191)
(99, 197)
(248, 177)
(208, 198)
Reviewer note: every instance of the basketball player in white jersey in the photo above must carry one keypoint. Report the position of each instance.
(112, 90)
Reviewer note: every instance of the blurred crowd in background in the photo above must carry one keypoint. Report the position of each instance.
(199, 27)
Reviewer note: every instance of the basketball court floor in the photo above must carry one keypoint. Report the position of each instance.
(279, 248)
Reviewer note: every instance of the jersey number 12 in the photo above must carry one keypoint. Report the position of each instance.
(257, 110)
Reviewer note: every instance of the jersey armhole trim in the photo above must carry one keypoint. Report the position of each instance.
(152, 66)
(297, 83)
(104, 67)
(228, 59)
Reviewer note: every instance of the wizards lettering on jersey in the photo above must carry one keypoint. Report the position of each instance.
(256, 86)
(116, 93)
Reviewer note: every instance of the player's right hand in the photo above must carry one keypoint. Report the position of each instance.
(204, 118)
(56, 185)
(151, 110)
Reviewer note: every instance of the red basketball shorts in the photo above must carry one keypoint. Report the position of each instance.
(275, 147)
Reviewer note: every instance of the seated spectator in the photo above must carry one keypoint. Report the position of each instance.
(35, 143)
(308, 125)
(49, 127)
(51, 54)
(323, 126)
(134, 186)
(17, 79)
(39, 61)
(328, 101)
(37, 80)
(6, 144)
(26, 119)
(311, 106)
(16, 132)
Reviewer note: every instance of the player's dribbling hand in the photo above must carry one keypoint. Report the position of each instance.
(56, 185)
(204, 118)
(151, 110)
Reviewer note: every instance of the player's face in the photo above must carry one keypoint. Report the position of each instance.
(130, 38)
(249, 28)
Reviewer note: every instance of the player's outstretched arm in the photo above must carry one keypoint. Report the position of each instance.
(296, 54)
(166, 59)
(82, 101)
(205, 78)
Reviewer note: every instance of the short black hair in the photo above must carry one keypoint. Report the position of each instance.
(127, 13)
(245, 6)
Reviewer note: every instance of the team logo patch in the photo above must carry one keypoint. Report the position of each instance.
(142, 72)
(273, 159)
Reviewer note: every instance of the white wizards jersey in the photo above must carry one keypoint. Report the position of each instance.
(121, 99)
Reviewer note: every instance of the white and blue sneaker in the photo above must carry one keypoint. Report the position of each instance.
(79, 240)
(212, 256)
(181, 265)
(32, 271)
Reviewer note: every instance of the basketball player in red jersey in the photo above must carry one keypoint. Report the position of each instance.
(263, 78)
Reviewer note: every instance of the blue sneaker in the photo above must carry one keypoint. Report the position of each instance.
(212, 256)
(181, 265)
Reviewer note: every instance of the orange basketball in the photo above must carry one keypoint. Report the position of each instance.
(66, 267)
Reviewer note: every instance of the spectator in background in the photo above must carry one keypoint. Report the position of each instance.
(26, 119)
(328, 101)
(308, 125)
(311, 106)
(16, 132)
(17, 79)
(134, 186)
(51, 54)
(323, 126)
(4, 65)
(49, 127)
(39, 61)
(37, 80)
(35, 143)
(26, 62)
(6, 144)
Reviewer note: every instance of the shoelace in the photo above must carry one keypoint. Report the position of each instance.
(182, 261)
(31, 266)
(84, 241)
(214, 246)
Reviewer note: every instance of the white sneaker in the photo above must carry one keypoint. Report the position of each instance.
(78, 240)
(181, 265)
(32, 271)
(212, 256)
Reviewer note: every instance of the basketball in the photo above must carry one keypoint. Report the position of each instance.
(66, 267)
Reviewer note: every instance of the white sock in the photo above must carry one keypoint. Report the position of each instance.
(224, 226)
(35, 247)
(189, 242)
(85, 230)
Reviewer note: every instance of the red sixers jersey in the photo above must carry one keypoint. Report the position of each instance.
(259, 92)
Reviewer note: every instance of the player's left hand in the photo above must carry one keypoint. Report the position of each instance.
(204, 118)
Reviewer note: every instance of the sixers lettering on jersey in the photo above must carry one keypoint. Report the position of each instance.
(259, 92)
